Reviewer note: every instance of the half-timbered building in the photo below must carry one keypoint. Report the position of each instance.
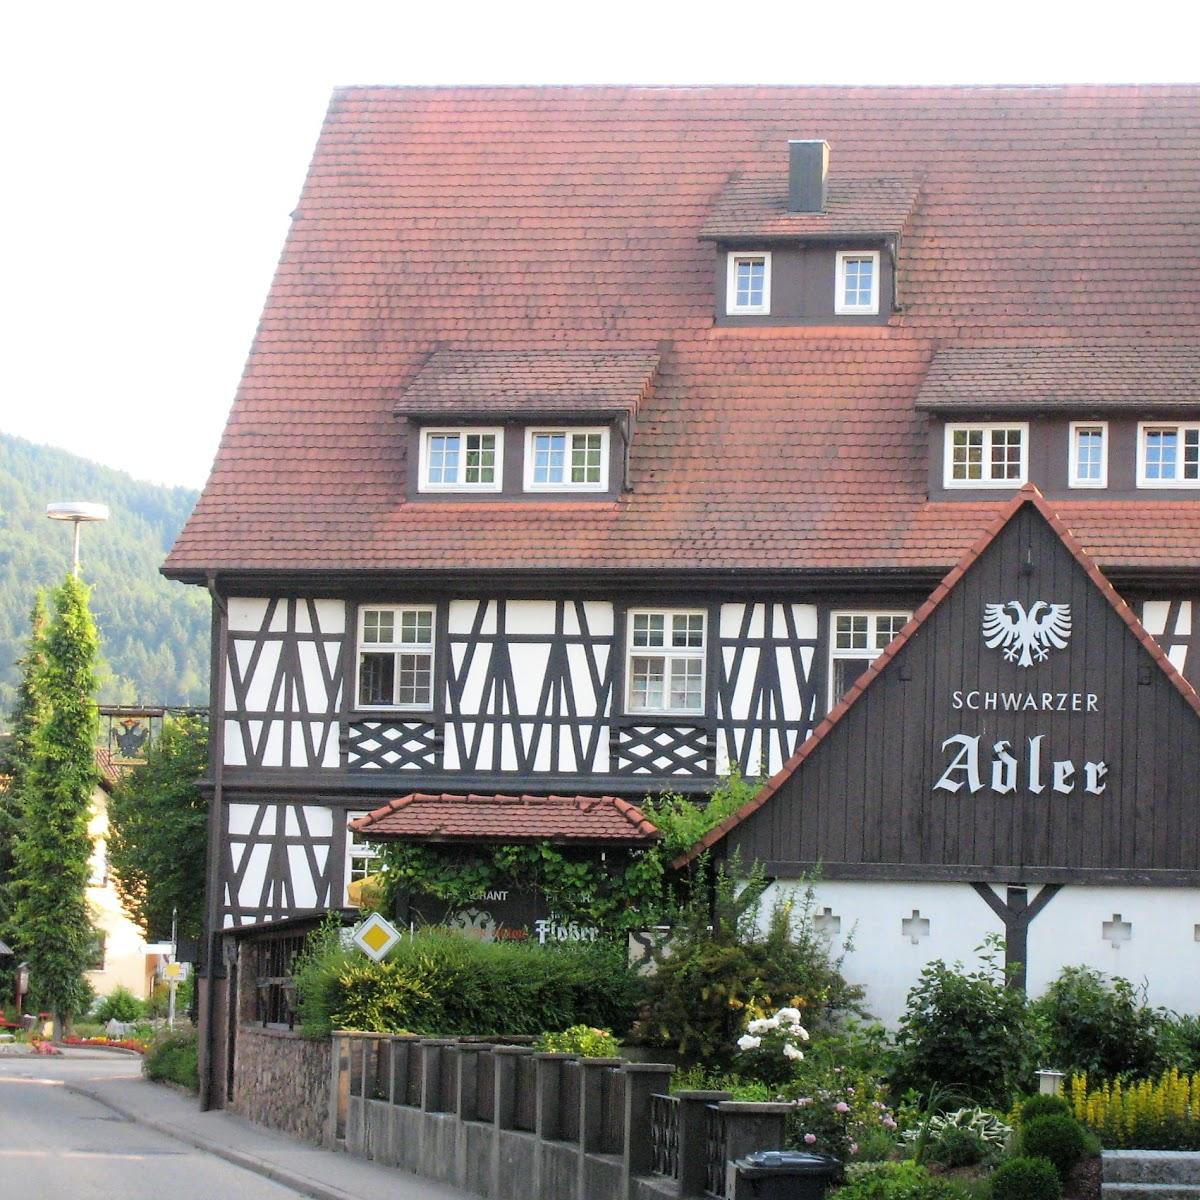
(596, 440)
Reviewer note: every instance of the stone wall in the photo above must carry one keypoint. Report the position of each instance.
(282, 1080)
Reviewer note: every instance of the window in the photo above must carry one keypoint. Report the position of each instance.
(461, 460)
(1168, 455)
(1089, 454)
(748, 285)
(666, 661)
(566, 460)
(395, 658)
(362, 856)
(857, 285)
(97, 951)
(986, 455)
(856, 640)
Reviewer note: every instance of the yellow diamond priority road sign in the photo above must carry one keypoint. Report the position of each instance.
(376, 936)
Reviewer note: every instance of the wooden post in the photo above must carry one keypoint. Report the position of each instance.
(549, 1069)
(339, 1091)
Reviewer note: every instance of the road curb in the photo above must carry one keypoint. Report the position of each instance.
(249, 1162)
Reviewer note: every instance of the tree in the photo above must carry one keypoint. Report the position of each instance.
(50, 921)
(157, 832)
(28, 714)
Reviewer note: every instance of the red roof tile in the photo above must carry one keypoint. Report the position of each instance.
(451, 818)
(110, 770)
(525, 219)
(1098, 378)
(489, 383)
(757, 206)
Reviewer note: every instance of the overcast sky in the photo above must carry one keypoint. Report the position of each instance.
(152, 153)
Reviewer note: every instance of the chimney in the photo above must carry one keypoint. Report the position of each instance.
(808, 165)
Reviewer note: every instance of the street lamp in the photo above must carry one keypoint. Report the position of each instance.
(76, 511)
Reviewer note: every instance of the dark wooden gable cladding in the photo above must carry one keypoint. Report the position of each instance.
(863, 802)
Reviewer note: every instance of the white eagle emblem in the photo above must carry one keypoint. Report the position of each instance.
(1027, 636)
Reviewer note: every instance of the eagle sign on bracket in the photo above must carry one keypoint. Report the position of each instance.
(1026, 637)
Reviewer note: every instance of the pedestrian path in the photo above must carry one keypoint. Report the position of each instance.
(322, 1174)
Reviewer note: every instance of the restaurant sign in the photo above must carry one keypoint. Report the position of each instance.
(1026, 638)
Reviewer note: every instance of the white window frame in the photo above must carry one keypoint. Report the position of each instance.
(667, 653)
(1180, 427)
(871, 651)
(396, 648)
(568, 431)
(462, 431)
(988, 428)
(732, 308)
(840, 307)
(355, 849)
(1074, 479)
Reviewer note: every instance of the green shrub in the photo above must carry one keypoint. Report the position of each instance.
(160, 998)
(712, 973)
(964, 1031)
(1179, 1043)
(1044, 1106)
(896, 1181)
(172, 1056)
(1026, 1179)
(1094, 1026)
(582, 1040)
(1058, 1138)
(119, 1005)
(958, 1148)
(438, 982)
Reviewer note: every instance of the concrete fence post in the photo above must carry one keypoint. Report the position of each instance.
(693, 1116)
(431, 1074)
(750, 1127)
(548, 1079)
(642, 1080)
(504, 1102)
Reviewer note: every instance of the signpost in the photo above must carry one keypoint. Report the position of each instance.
(376, 936)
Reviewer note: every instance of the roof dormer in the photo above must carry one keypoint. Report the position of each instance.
(808, 247)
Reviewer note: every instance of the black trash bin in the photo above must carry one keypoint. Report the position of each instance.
(784, 1175)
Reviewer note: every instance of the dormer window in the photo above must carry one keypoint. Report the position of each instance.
(857, 283)
(1168, 455)
(461, 460)
(986, 455)
(561, 460)
(1089, 454)
(748, 289)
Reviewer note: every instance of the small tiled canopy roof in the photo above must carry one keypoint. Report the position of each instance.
(110, 772)
(460, 383)
(757, 206)
(580, 820)
(1076, 378)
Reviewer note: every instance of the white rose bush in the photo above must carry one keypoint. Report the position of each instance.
(773, 1046)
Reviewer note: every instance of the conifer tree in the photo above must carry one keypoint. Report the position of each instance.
(27, 716)
(52, 850)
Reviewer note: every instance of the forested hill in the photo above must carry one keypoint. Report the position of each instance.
(153, 633)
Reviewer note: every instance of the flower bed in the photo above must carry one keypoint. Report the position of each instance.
(106, 1043)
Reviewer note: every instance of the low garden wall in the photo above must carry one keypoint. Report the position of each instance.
(282, 1080)
(510, 1123)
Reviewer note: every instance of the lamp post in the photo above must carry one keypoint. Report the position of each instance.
(77, 512)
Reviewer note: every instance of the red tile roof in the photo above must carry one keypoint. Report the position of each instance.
(1029, 494)
(757, 206)
(489, 383)
(523, 219)
(1098, 378)
(110, 770)
(450, 818)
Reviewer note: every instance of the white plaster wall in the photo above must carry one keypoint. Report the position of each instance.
(1163, 950)
(883, 959)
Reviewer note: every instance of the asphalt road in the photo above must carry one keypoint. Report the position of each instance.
(55, 1145)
